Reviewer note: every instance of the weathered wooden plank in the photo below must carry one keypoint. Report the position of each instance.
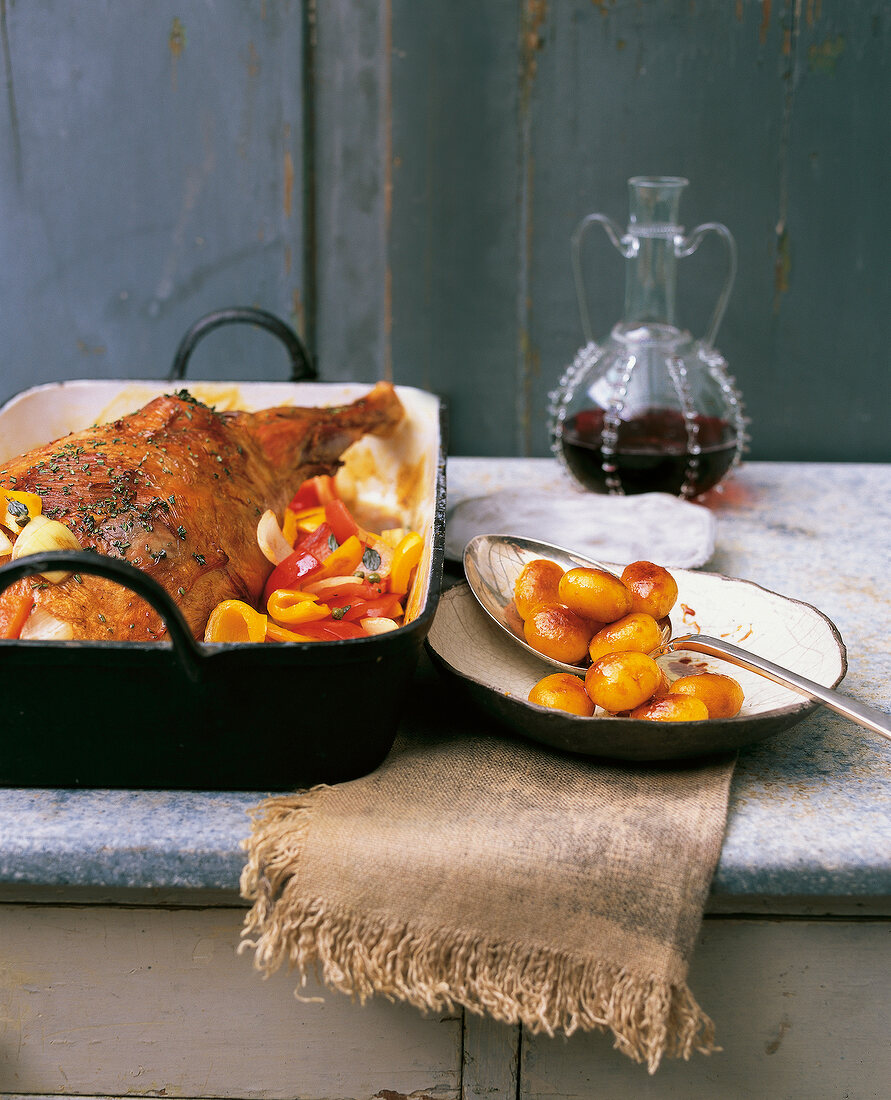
(352, 182)
(829, 367)
(799, 1007)
(491, 1050)
(150, 161)
(454, 240)
(137, 1002)
(625, 89)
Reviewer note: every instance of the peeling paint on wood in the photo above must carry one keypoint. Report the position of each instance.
(298, 313)
(822, 57)
(813, 11)
(774, 1045)
(535, 14)
(534, 19)
(176, 43)
(782, 269)
(288, 184)
(389, 1094)
(765, 21)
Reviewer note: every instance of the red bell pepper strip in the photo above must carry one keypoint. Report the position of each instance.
(384, 607)
(339, 519)
(314, 491)
(331, 630)
(318, 542)
(290, 572)
(305, 497)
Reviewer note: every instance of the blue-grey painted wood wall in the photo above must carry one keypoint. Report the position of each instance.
(400, 180)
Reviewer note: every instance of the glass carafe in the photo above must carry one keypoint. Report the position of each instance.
(650, 409)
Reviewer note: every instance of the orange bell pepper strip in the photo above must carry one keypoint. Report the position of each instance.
(235, 621)
(13, 626)
(296, 524)
(289, 607)
(333, 630)
(328, 631)
(405, 557)
(344, 559)
(17, 505)
(276, 633)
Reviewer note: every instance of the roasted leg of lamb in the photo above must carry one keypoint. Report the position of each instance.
(177, 489)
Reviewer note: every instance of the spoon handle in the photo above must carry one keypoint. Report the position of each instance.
(876, 720)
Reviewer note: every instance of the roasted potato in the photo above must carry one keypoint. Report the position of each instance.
(722, 695)
(555, 631)
(622, 681)
(536, 585)
(563, 691)
(654, 590)
(672, 708)
(636, 632)
(594, 594)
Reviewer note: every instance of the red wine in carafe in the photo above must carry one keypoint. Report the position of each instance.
(652, 452)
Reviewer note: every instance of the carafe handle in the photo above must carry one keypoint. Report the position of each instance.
(686, 246)
(624, 243)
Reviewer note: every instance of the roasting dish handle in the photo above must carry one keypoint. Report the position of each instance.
(302, 368)
(114, 569)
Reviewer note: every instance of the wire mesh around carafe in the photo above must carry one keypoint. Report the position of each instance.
(649, 409)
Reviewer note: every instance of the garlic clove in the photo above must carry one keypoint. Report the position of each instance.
(379, 626)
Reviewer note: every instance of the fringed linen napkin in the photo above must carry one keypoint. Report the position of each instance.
(538, 887)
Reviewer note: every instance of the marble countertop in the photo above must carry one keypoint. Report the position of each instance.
(810, 809)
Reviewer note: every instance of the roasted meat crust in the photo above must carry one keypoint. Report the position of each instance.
(177, 488)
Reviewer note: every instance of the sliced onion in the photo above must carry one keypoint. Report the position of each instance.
(331, 584)
(5, 544)
(272, 542)
(43, 627)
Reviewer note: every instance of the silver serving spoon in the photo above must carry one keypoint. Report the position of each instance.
(876, 720)
(492, 564)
